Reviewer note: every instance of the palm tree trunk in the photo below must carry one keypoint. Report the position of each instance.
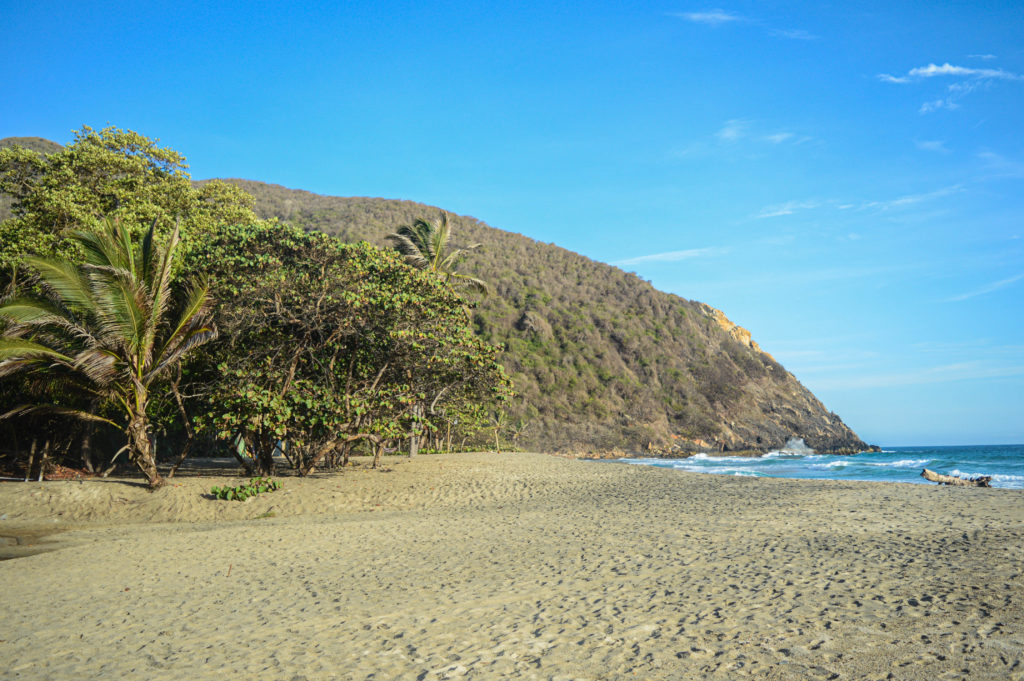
(141, 451)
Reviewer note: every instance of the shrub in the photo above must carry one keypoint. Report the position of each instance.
(242, 492)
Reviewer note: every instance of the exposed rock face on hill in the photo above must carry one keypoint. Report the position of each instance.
(601, 360)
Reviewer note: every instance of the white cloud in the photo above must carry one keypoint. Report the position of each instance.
(792, 33)
(948, 69)
(986, 57)
(970, 80)
(932, 145)
(733, 130)
(989, 288)
(737, 129)
(671, 256)
(787, 208)
(911, 199)
(794, 206)
(713, 17)
(936, 104)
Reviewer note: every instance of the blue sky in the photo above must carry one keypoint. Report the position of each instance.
(846, 180)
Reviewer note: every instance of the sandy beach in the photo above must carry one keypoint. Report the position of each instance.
(513, 566)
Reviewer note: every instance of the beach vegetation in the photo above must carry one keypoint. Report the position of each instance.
(255, 486)
(327, 346)
(105, 330)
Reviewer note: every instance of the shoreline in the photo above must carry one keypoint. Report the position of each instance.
(482, 566)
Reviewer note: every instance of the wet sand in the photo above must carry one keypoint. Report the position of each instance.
(520, 566)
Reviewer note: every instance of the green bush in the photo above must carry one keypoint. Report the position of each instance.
(243, 492)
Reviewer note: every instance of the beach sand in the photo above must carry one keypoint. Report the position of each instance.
(514, 566)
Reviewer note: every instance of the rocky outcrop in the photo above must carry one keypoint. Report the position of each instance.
(738, 333)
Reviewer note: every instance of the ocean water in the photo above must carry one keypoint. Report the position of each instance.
(1005, 463)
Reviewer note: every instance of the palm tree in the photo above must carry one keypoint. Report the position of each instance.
(108, 327)
(423, 244)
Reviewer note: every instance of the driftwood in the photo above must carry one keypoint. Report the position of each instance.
(981, 481)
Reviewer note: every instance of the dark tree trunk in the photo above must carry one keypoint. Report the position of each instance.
(86, 450)
(141, 451)
(265, 456)
(42, 460)
(31, 460)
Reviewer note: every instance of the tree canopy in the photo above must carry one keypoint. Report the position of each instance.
(327, 344)
(106, 173)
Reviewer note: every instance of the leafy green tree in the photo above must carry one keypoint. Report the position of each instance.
(108, 328)
(326, 344)
(106, 173)
(424, 245)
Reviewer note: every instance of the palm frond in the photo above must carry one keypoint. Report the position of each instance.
(31, 312)
(191, 340)
(191, 322)
(159, 282)
(21, 348)
(65, 281)
(26, 409)
(99, 365)
(122, 315)
(478, 285)
(403, 242)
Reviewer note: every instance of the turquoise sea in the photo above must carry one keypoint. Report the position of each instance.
(1005, 463)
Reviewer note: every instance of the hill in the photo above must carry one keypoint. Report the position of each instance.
(600, 358)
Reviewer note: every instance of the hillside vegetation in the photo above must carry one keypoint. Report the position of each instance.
(599, 357)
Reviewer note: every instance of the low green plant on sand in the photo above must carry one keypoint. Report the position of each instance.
(242, 492)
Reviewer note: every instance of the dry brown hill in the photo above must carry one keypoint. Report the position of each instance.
(600, 358)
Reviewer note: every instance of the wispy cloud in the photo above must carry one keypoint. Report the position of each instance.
(986, 57)
(787, 208)
(989, 288)
(733, 130)
(947, 373)
(998, 166)
(721, 17)
(739, 136)
(910, 199)
(712, 17)
(792, 33)
(968, 80)
(736, 129)
(947, 69)
(795, 206)
(672, 256)
(932, 145)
